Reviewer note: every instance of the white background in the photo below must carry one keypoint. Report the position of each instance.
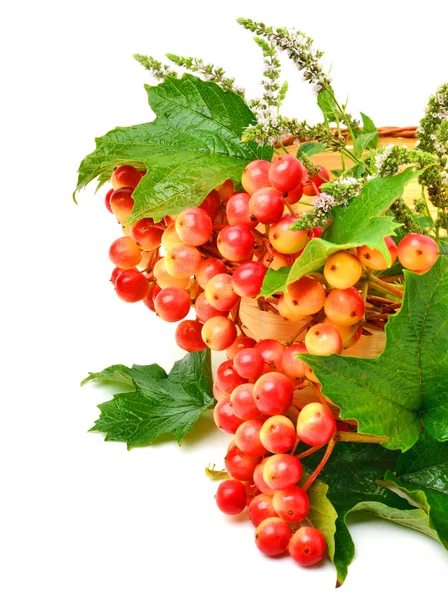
(85, 519)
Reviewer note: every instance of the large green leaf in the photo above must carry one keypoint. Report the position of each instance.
(193, 145)
(406, 386)
(351, 473)
(157, 403)
(422, 473)
(360, 222)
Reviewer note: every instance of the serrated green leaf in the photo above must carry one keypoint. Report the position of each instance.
(405, 387)
(127, 376)
(274, 281)
(361, 222)
(159, 403)
(351, 474)
(193, 145)
(443, 247)
(310, 149)
(422, 472)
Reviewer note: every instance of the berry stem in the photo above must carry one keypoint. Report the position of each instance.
(378, 284)
(308, 452)
(312, 478)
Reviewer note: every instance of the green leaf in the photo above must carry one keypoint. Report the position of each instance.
(193, 145)
(310, 149)
(405, 387)
(364, 140)
(422, 473)
(274, 281)
(443, 247)
(159, 403)
(328, 107)
(125, 375)
(361, 222)
(369, 127)
(351, 474)
(322, 514)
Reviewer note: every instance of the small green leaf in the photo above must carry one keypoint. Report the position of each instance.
(310, 149)
(422, 472)
(322, 514)
(328, 107)
(369, 127)
(193, 145)
(364, 140)
(159, 403)
(405, 387)
(274, 281)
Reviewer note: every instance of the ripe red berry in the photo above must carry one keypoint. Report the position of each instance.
(240, 465)
(260, 509)
(315, 424)
(267, 205)
(236, 242)
(248, 279)
(291, 504)
(225, 418)
(272, 536)
(307, 546)
(231, 497)
(273, 393)
(131, 285)
(188, 336)
(125, 176)
(285, 173)
(417, 252)
(255, 175)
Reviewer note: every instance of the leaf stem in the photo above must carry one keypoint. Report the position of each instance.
(364, 438)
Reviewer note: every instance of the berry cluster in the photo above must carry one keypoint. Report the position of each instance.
(255, 389)
(209, 258)
(215, 254)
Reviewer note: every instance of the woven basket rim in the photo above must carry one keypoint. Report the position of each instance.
(383, 132)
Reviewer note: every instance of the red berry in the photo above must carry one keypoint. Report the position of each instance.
(231, 497)
(188, 336)
(291, 504)
(315, 424)
(307, 546)
(248, 279)
(272, 536)
(267, 205)
(260, 509)
(417, 252)
(240, 465)
(131, 286)
(255, 175)
(285, 173)
(225, 418)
